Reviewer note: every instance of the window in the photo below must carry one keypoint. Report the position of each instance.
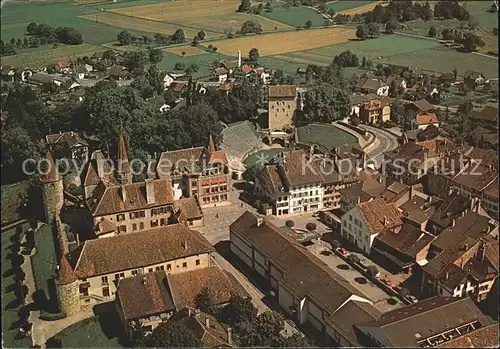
(150, 270)
(184, 265)
(120, 217)
(134, 226)
(161, 267)
(154, 224)
(104, 279)
(139, 214)
(169, 267)
(197, 262)
(163, 222)
(123, 228)
(105, 291)
(119, 276)
(134, 272)
(141, 225)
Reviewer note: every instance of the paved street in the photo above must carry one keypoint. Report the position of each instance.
(387, 142)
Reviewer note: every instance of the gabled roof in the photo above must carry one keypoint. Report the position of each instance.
(189, 207)
(370, 84)
(423, 105)
(177, 86)
(488, 113)
(406, 326)
(220, 71)
(155, 246)
(295, 169)
(379, 215)
(426, 118)
(485, 337)
(181, 160)
(246, 68)
(70, 138)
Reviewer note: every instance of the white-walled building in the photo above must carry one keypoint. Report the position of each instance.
(365, 221)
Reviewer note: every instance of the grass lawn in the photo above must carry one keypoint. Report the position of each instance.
(10, 306)
(44, 269)
(295, 16)
(96, 332)
(275, 62)
(13, 196)
(325, 135)
(257, 158)
(347, 5)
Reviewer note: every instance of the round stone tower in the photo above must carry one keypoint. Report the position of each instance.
(52, 189)
(67, 289)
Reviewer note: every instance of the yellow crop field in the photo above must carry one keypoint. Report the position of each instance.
(232, 21)
(187, 49)
(280, 43)
(144, 25)
(362, 9)
(179, 9)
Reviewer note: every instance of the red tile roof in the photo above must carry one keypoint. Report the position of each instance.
(168, 243)
(66, 273)
(485, 337)
(282, 91)
(427, 118)
(50, 172)
(379, 215)
(123, 164)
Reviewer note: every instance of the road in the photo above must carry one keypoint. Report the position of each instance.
(387, 142)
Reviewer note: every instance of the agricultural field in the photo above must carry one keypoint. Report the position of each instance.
(46, 57)
(231, 22)
(344, 5)
(180, 9)
(305, 58)
(295, 16)
(360, 9)
(425, 54)
(187, 49)
(279, 43)
(143, 25)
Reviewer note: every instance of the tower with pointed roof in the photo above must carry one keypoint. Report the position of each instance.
(67, 289)
(123, 171)
(52, 189)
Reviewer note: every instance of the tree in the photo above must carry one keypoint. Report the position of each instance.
(32, 28)
(201, 35)
(155, 55)
(331, 12)
(335, 244)
(432, 32)
(205, 300)
(455, 73)
(253, 55)
(173, 333)
(311, 226)
(308, 24)
(362, 32)
(135, 60)
(471, 41)
(69, 36)
(289, 223)
(372, 270)
(19, 43)
(296, 340)
(13, 41)
(325, 103)
(178, 36)
(124, 37)
(245, 6)
(353, 258)
(426, 12)
(346, 59)
(448, 34)
(391, 26)
(373, 30)
(239, 310)
(323, 8)
(251, 27)
(179, 66)
(363, 62)
(25, 42)
(269, 324)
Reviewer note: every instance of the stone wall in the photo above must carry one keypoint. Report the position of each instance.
(69, 298)
(53, 199)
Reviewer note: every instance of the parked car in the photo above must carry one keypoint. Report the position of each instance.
(343, 251)
(413, 299)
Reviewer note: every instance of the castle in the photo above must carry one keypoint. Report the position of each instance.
(132, 217)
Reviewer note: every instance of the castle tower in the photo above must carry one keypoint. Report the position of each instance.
(52, 189)
(123, 172)
(67, 289)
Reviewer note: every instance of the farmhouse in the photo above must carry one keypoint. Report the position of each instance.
(220, 74)
(282, 104)
(375, 86)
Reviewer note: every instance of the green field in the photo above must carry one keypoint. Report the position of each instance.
(324, 135)
(295, 16)
(10, 306)
(122, 4)
(343, 5)
(204, 61)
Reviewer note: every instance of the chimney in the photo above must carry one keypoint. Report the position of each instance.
(186, 245)
(453, 222)
(150, 191)
(123, 193)
(207, 322)
(230, 335)
(447, 275)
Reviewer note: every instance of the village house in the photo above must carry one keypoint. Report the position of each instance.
(375, 111)
(400, 82)
(420, 106)
(375, 86)
(487, 117)
(136, 297)
(197, 172)
(433, 322)
(289, 186)
(300, 282)
(118, 72)
(362, 224)
(97, 267)
(262, 75)
(178, 86)
(282, 104)
(357, 100)
(220, 74)
(473, 79)
(426, 134)
(68, 145)
(40, 79)
(425, 119)
(242, 72)
(168, 78)
(446, 273)
(482, 137)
